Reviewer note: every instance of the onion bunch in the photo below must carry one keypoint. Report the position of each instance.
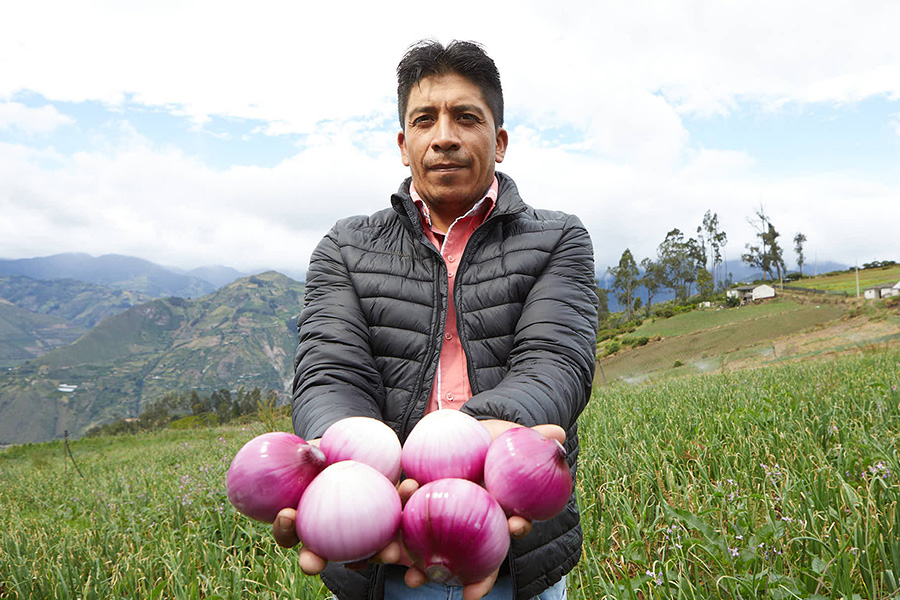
(454, 526)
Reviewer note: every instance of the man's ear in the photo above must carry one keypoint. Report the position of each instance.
(502, 143)
(404, 154)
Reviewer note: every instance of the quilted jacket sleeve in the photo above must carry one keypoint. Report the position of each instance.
(334, 372)
(551, 365)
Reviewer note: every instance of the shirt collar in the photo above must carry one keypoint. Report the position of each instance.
(482, 208)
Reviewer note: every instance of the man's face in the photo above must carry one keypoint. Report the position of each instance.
(450, 142)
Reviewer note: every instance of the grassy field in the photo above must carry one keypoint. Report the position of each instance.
(701, 320)
(149, 519)
(846, 282)
(778, 483)
(702, 340)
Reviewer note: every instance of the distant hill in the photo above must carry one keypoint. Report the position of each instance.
(218, 276)
(114, 270)
(41, 315)
(25, 335)
(241, 335)
(80, 303)
(794, 326)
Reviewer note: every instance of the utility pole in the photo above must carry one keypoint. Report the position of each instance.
(857, 278)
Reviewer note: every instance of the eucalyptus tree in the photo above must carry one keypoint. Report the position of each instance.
(626, 282)
(680, 259)
(712, 240)
(799, 240)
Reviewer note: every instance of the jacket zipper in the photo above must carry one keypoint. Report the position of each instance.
(432, 345)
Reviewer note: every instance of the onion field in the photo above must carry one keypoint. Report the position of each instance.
(773, 483)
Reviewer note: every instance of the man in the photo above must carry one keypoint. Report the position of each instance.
(461, 297)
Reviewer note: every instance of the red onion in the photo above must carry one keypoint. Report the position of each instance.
(270, 472)
(454, 531)
(446, 443)
(527, 474)
(366, 440)
(348, 513)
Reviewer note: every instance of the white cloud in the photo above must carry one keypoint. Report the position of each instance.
(598, 94)
(42, 120)
(298, 63)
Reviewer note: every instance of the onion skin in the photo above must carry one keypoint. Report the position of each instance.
(271, 472)
(446, 444)
(528, 475)
(366, 440)
(454, 531)
(348, 513)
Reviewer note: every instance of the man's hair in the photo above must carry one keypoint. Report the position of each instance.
(427, 58)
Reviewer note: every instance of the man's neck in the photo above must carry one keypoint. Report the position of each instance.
(443, 216)
(443, 213)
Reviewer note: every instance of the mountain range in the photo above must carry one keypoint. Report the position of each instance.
(122, 272)
(243, 334)
(85, 340)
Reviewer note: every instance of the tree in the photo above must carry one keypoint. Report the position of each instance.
(680, 259)
(705, 284)
(775, 252)
(602, 305)
(221, 402)
(626, 282)
(799, 240)
(712, 241)
(653, 280)
(200, 405)
(768, 254)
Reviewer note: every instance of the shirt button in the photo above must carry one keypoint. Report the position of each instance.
(448, 336)
(450, 397)
(450, 274)
(450, 258)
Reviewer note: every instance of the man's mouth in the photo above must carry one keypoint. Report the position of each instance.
(446, 167)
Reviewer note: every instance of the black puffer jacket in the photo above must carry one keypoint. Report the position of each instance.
(370, 339)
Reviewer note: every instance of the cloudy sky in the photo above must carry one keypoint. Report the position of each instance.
(201, 133)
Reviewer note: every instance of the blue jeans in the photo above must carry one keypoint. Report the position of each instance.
(395, 589)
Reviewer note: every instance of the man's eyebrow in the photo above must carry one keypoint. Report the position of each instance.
(472, 108)
(457, 108)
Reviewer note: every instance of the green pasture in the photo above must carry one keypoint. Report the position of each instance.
(702, 340)
(710, 318)
(846, 282)
(773, 483)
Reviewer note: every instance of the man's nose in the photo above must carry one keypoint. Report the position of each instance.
(446, 134)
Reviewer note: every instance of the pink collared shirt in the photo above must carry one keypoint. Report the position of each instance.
(451, 382)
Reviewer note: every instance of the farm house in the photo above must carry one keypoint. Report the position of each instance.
(882, 291)
(752, 292)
